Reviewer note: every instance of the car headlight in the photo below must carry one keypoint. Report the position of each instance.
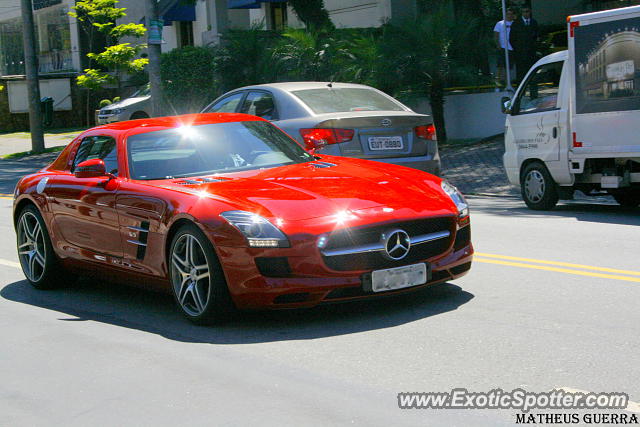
(117, 111)
(457, 197)
(259, 232)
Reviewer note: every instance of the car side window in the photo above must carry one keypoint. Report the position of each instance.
(98, 147)
(540, 92)
(226, 105)
(261, 104)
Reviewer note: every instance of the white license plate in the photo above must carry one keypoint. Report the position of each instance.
(385, 143)
(399, 277)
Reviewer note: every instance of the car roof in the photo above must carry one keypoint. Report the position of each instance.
(175, 121)
(292, 86)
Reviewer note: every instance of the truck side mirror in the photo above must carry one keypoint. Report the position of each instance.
(505, 104)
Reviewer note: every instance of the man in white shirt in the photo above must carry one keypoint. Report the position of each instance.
(501, 32)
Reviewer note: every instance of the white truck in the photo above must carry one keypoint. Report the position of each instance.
(574, 121)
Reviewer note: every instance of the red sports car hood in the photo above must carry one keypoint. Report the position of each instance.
(325, 188)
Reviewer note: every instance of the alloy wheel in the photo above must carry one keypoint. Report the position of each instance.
(190, 275)
(31, 247)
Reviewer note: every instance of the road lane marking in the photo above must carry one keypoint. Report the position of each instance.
(9, 263)
(562, 264)
(631, 406)
(6, 196)
(558, 270)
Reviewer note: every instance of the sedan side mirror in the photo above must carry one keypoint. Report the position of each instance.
(505, 104)
(93, 168)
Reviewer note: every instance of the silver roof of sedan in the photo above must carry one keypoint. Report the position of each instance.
(292, 86)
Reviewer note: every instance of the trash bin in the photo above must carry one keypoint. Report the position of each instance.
(46, 106)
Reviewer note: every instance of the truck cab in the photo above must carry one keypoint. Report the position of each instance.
(574, 121)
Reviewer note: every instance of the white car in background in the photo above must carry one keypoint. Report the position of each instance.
(341, 119)
(137, 106)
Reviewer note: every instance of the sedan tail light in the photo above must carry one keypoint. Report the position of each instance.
(426, 132)
(319, 137)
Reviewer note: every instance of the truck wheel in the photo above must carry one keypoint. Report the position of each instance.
(628, 199)
(539, 190)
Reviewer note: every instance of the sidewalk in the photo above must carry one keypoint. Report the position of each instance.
(21, 141)
(476, 168)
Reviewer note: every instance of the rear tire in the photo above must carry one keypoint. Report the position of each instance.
(197, 280)
(628, 199)
(539, 190)
(35, 252)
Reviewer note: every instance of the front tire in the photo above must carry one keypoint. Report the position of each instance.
(35, 252)
(197, 280)
(139, 115)
(539, 190)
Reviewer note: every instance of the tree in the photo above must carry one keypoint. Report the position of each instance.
(426, 55)
(311, 55)
(117, 59)
(313, 14)
(245, 57)
(154, 49)
(33, 85)
(188, 79)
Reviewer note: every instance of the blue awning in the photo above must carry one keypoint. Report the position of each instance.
(249, 4)
(180, 12)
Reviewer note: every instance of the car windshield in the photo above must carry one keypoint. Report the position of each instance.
(338, 100)
(209, 149)
(143, 91)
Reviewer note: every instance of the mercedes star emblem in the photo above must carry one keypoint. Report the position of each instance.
(396, 244)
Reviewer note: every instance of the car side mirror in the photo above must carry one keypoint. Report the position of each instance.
(93, 168)
(505, 104)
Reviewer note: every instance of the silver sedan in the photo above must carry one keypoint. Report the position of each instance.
(341, 119)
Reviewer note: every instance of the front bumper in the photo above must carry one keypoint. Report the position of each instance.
(250, 289)
(104, 119)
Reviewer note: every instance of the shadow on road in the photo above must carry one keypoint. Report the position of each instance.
(155, 313)
(11, 170)
(600, 211)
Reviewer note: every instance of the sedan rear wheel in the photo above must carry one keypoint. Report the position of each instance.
(198, 283)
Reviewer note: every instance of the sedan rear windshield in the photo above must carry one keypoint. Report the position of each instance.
(209, 149)
(339, 100)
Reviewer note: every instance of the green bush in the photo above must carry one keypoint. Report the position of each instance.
(245, 57)
(188, 78)
(103, 103)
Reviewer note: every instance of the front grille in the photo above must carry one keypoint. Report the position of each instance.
(459, 269)
(463, 236)
(273, 266)
(375, 260)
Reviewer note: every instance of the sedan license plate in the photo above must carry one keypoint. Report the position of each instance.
(385, 143)
(399, 277)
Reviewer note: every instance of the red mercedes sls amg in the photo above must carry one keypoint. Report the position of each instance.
(227, 211)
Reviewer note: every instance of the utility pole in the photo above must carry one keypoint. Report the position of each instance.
(508, 86)
(154, 40)
(31, 71)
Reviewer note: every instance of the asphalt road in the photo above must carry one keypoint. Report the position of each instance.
(105, 354)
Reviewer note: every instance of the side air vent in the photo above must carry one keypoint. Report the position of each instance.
(142, 234)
